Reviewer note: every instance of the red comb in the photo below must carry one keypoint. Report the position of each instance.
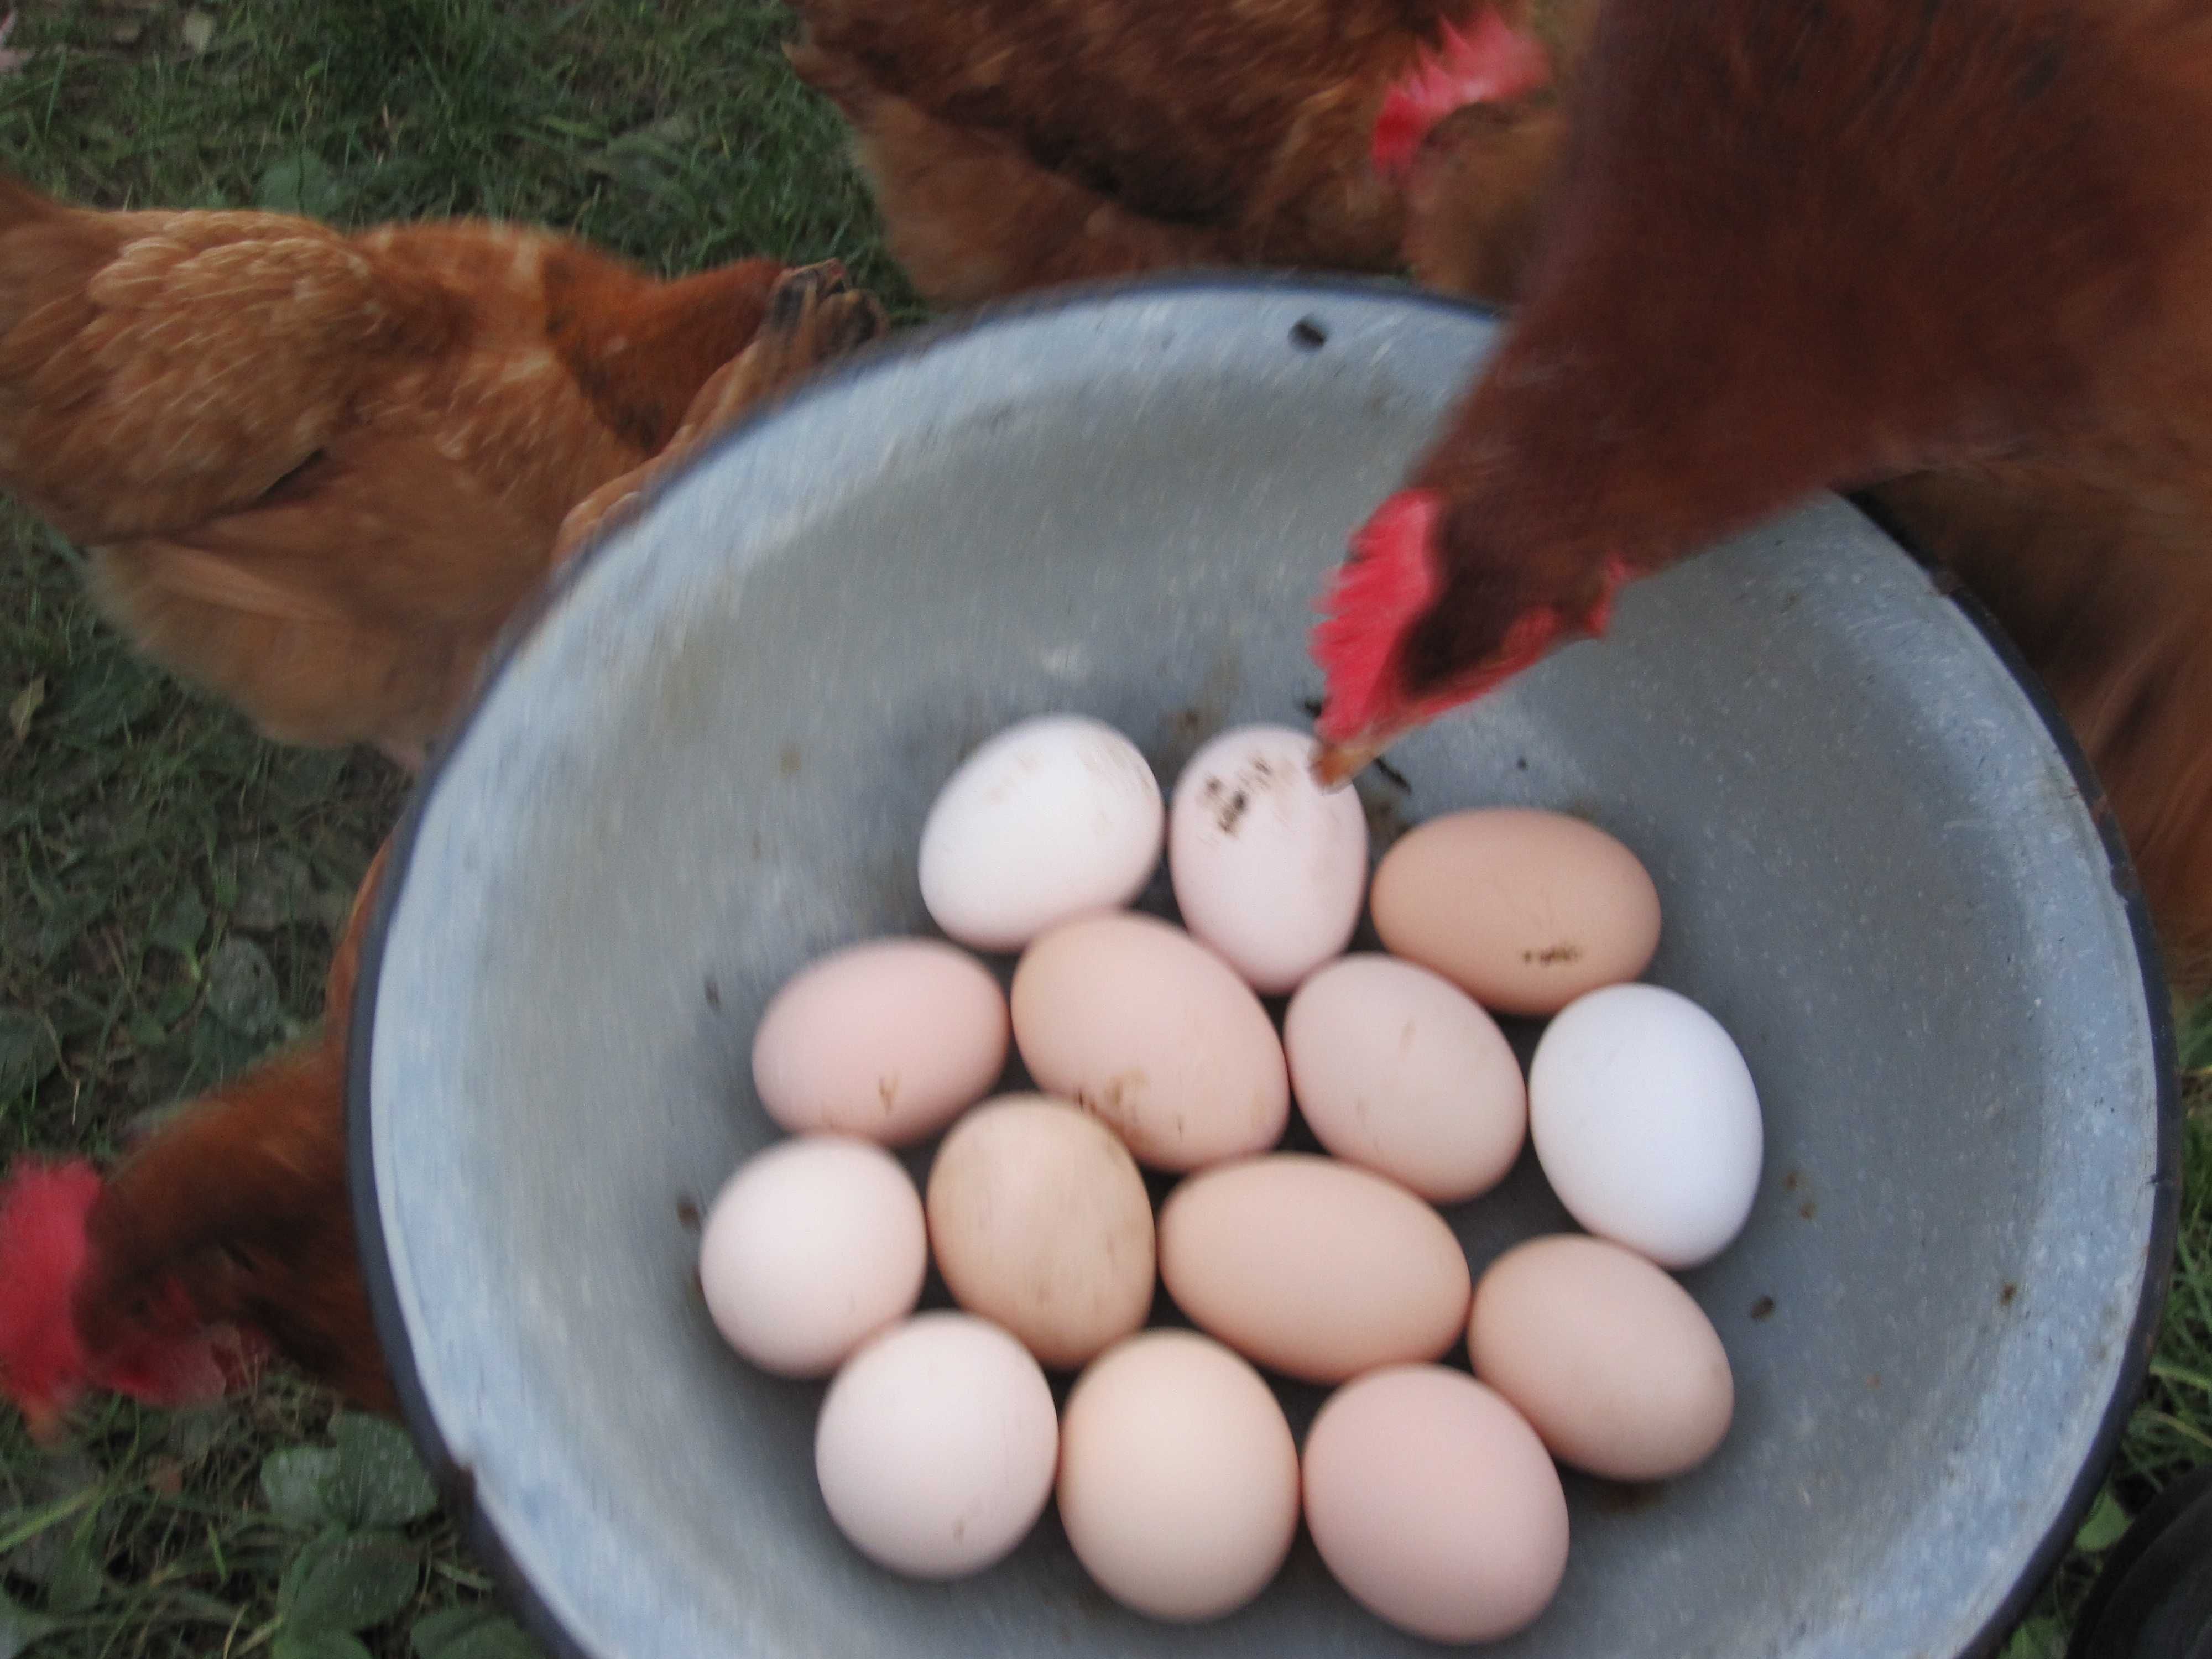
(42, 1251)
(169, 1360)
(1487, 62)
(1390, 579)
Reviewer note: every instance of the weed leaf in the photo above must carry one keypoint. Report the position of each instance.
(25, 705)
(2107, 1522)
(478, 1632)
(318, 1644)
(76, 1581)
(301, 183)
(27, 1051)
(180, 924)
(2038, 1638)
(347, 1581)
(378, 1481)
(19, 1627)
(293, 1480)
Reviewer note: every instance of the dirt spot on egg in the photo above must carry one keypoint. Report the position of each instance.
(1227, 799)
(1553, 955)
(1226, 805)
(1110, 1101)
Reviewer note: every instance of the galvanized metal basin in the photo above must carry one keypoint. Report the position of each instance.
(710, 759)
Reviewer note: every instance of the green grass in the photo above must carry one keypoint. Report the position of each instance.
(168, 882)
(2171, 1430)
(670, 129)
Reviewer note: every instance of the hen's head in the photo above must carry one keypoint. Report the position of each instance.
(1411, 633)
(1486, 63)
(161, 1355)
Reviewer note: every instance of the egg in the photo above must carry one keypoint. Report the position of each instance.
(1646, 1122)
(1435, 1505)
(1312, 1267)
(1524, 910)
(1614, 1364)
(1269, 868)
(1144, 1027)
(1039, 1220)
(1051, 818)
(1398, 1070)
(1178, 1477)
(809, 1248)
(936, 1446)
(888, 1040)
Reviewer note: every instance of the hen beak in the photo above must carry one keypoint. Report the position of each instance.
(1335, 764)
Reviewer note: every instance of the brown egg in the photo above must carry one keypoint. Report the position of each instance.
(1178, 1476)
(1147, 1029)
(1434, 1504)
(1611, 1361)
(1316, 1268)
(1401, 1072)
(888, 1040)
(1524, 910)
(1039, 1220)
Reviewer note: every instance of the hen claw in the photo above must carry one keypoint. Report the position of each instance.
(814, 314)
(786, 300)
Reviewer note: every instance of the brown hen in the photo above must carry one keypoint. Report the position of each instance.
(316, 472)
(1016, 143)
(1955, 253)
(1013, 146)
(230, 1227)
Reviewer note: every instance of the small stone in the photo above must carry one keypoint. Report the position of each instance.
(241, 988)
(276, 888)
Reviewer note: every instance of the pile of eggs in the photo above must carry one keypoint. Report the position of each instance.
(1431, 1495)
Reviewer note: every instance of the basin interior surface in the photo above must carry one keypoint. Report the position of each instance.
(709, 762)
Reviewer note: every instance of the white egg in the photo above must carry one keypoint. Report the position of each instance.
(1049, 819)
(1647, 1123)
(1270, 869)
(809, 1248)
(936, 1446)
